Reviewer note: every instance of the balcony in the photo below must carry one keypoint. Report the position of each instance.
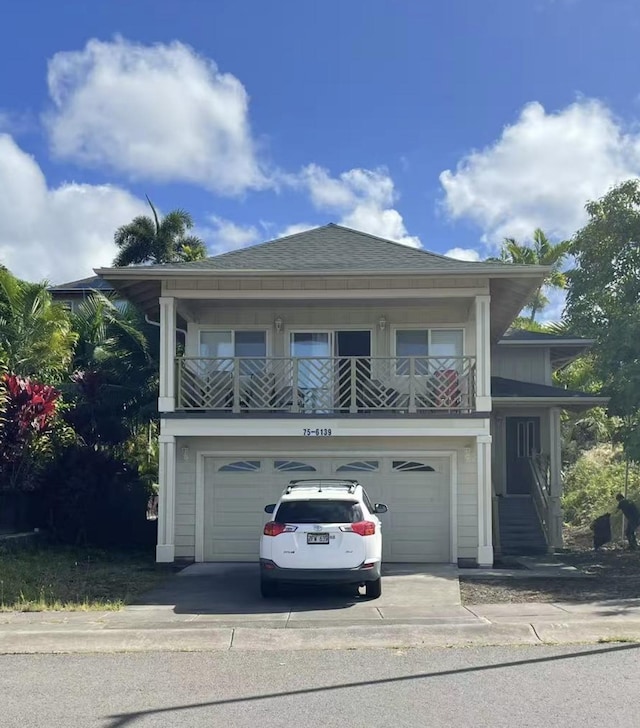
(327, 386)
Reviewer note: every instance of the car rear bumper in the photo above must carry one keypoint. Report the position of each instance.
(271, 572)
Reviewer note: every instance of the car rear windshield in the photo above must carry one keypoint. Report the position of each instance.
(319, 511)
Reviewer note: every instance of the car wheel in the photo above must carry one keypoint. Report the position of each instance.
(268, 589)
(373, 589)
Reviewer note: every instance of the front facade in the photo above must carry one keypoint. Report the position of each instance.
(332, 353)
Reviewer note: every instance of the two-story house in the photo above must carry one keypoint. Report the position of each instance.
(339, 354)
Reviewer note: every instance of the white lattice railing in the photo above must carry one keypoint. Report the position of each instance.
(329, 385)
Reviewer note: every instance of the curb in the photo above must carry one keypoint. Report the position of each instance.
(212, 639)
(589, 630)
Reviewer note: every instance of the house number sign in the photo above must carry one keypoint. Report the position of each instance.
(317, 432)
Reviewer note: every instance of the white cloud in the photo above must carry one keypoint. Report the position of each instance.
(542, 170)
(297, 227)
(159, 112)
(363, 198)
(468, 254)
(553, 311)
(56, 234)
(225, 235)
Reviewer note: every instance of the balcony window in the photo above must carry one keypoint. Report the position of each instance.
(225, 345)
(423, 343)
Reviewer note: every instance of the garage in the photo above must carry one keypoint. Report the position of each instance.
(417, 490)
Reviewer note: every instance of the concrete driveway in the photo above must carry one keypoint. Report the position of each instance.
(228, 595)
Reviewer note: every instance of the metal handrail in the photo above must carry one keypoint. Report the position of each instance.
(539, 466)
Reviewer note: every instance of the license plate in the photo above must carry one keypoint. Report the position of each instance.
(315, 538)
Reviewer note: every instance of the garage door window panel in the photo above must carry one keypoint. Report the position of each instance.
(359, 466)
(289, 466)
(412, 466)
(240, 466)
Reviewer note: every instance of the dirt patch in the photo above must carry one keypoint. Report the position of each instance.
(609, 573)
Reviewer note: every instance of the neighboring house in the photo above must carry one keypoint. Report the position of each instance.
(72, 294)
(339, 354)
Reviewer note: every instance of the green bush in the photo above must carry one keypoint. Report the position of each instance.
(591, 484)
(90, 498)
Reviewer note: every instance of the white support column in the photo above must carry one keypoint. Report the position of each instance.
(165, 550)
(483, 353)
(555, 479)
(485, 503)
(167, 397)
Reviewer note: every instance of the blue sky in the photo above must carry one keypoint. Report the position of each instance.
(442, 124)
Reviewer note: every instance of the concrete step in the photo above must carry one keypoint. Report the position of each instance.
(520, 529)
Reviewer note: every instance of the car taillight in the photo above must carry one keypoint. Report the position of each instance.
(275, 529)
(362, 528)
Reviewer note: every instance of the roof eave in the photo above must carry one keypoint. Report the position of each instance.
(157, 273)
(547, 342)
(563, 401)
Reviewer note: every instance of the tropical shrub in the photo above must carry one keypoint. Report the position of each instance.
(89, 497)
(591, 484)
(28, 414)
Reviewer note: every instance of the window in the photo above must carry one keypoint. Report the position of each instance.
(411, 466)
(293, 466)
(358, 466)
(319, 511)
(224, 345)
(442, 343)
(241, 466)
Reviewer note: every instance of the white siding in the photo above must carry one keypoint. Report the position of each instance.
(453, 314)
(524, 363)
(467, 495)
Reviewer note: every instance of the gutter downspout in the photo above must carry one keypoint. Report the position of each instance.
(157, 323)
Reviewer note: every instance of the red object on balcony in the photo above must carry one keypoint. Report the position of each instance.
(448, 395)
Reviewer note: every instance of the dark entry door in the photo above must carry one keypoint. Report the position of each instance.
(523, 440)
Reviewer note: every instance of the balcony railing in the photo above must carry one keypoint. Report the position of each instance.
(327, 385)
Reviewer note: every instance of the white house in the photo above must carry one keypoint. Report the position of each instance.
(338, 353)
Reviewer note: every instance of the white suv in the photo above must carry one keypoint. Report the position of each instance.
(323, 531)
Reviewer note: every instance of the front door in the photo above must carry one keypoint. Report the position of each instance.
(523, 441)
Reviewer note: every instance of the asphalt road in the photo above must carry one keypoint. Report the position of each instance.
(541, 687)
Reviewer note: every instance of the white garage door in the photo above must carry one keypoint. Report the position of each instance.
(417, 491)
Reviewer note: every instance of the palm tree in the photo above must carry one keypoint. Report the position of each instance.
(36, 338)
(114, 380)
(543, 252)
(151, 240)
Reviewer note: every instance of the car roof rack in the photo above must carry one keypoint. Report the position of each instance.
(323, 484)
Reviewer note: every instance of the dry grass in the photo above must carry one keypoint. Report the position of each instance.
(609, 573)
(59, 578)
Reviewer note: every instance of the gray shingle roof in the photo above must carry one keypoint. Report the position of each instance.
(331, 247)
(525, 335)
(502, 387)
(95, 283)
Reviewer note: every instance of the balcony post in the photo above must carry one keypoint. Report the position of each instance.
(295, 406)
(353, 405)
(167, 398)
(483, 353)
(236, 385)
(412, 385)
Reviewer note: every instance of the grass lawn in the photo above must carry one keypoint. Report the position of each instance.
(63, 578)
